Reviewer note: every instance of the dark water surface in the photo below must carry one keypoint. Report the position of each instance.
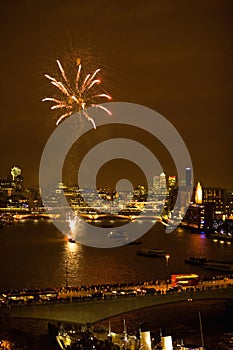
(34, 254)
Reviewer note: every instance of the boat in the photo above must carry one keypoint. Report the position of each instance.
(87, 337)
(218, 236)
(119, 235)
(70, 338)
(219, 266)
(225, 266)
(71, 240)
(196, 261)
(151, 252)
(135, 243)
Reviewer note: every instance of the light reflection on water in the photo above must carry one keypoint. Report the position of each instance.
(33, 255)
(72, 261)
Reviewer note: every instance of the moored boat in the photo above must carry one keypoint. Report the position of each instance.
(135, 243)
(196, 261)
(219, 266)
(86, 337)
(225, 237)
(225, 266)
(120, 235)
(151, 252)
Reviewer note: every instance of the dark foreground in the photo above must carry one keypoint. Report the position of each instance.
(181, 318)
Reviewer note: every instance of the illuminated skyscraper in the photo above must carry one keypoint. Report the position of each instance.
(156, 183)
(171, 181)
(162, 180)
(198, 194)
(217, 197)
(160, 185)
(188, 177)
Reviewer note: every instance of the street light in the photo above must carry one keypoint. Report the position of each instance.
(167, 256)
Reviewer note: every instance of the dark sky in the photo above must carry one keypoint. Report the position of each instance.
(174, 56)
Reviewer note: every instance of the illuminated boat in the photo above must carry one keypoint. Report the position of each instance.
(71, 240)
(218, 236)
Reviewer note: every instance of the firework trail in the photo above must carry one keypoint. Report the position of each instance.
(78, 95)
(73, 222)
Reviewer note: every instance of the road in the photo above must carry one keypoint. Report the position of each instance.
(95, 310)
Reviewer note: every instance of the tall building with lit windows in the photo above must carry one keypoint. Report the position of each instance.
(160, 184)
(171, 181)
(195, 217)
(214, 201)
(229, 204)
(172, 192)
(156, 183)
(163, 184)
(217, 197)
(188, 177)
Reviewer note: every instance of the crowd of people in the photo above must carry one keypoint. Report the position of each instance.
(85, 293)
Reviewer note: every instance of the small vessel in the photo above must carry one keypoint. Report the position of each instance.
(151, 252)
(219, 266)
(119, 235)
(135, 243)
(225, 266)
(196, 261)
(71, 239)
(218, 236)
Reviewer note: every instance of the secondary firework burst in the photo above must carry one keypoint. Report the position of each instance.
(77, 94)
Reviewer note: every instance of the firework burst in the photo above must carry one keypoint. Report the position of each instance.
(78, 94)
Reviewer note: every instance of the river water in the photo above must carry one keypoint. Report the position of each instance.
(34, 254)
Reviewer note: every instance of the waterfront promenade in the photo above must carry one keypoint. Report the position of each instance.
(93, 310)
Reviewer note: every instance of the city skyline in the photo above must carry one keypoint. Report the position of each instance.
(173, 58)
(16, 172)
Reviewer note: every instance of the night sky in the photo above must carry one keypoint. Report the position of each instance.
(174, 56)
